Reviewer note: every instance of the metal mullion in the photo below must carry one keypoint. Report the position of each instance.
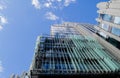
(81, 66)
(99, 67)
(91, 66)
(86, 69)
(108, 68)
(70, 58)
(77, 61)
(99, 53)
(50, 54)
(84, 54)
(95, 66)
(103, 66)
(110, 64)
(87, 53)
(91, 44)
(116, 63)
(106, 54)
(67, 63)
(87, 66)
(58, 53)
(83, 46)
(63, 56)
(76, 55)
(90, 54)
(58, 61)
(86, 43)
(69, 52)
(103, 54)
(78, 50)
(60, 58)
(94, 44)
(79, 45)
(79, 54)
(95, 53)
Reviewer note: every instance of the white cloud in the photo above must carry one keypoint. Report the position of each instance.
(3, 21)
(68, 2)
(1, 67)
(1, 27)
(2, 4)
(59, 0)
(54, 4)
(48, 5)
(51, 5)
(51, 16)
(1, 7)
(36, 4)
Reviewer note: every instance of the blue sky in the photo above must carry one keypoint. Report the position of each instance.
(21, 21)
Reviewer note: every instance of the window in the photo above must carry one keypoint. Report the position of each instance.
(57, 66)
(117, 20)
(105, 27)
(103, 35)
(115, 31)
(114, 42)
(45, 66)
(106, 17)
(102, 15)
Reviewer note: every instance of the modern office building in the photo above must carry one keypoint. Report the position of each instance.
(109, 21)
(72, 52)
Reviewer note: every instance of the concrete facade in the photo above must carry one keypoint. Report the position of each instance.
(109, 21)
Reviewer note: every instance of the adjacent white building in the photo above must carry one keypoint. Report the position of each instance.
(109, 21)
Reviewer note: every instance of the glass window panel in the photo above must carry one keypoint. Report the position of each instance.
(102, 15)
(103, 34)
(105, 27)
(117, 20)
(115, 31)
(107, 17)
(57, 66)
(63, 66)
(45, 66)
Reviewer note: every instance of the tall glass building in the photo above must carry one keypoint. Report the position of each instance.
(109, 21)
(71, 51)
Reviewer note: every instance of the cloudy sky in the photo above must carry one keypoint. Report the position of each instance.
(21, 21)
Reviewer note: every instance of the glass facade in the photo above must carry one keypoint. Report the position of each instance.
(74, 55)
(115, 31)
(105, 27)
(68, 53)
(117, 20)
